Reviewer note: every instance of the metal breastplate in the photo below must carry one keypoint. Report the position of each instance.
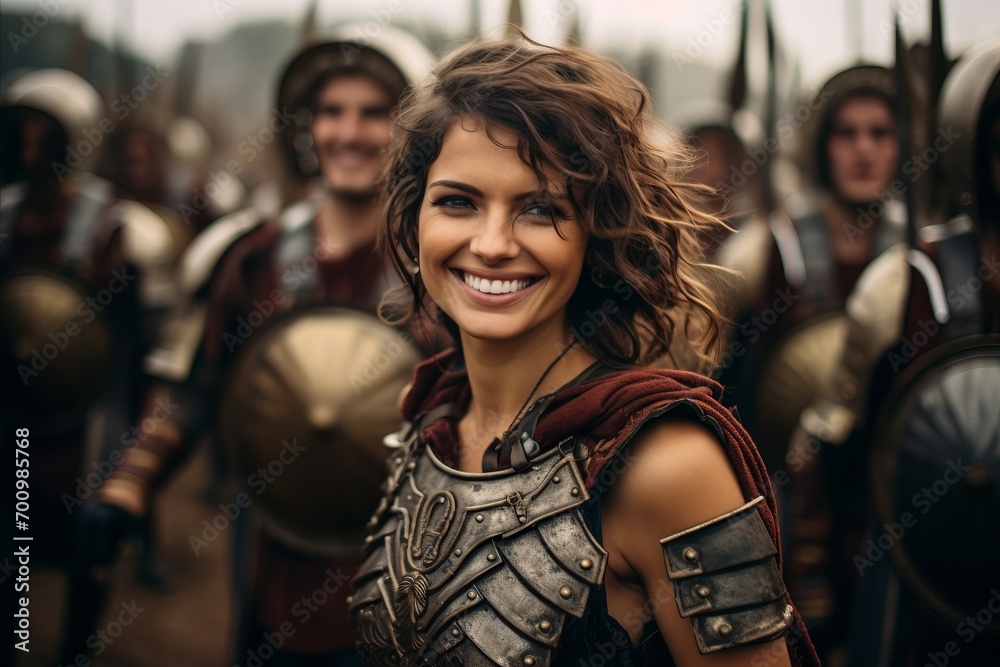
(474, 569)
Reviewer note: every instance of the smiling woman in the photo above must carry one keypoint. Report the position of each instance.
(550, 501)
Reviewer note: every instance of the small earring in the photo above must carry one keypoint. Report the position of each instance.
(416, 266)
(596, 275)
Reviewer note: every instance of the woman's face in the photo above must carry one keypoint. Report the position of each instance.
(490, 256)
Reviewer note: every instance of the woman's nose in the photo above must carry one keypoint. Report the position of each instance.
(494, 241)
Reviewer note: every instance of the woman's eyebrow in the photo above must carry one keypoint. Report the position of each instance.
(457, 185)
(465, 187)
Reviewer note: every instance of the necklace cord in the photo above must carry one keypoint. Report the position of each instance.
(493, 451)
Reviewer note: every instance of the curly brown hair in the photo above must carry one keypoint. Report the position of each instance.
(584, 117)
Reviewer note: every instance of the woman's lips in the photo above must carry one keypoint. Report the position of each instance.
(495, 300)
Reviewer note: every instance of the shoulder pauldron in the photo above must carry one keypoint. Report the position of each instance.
(474, 569)
(726, 580)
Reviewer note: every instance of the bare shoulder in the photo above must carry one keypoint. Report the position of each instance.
(678, 475)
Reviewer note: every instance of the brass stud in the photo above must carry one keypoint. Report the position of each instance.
(556, 480)
(575, 491)
(471, 595)
(479, 518)
(409, 497)
(455, 632)
(566, 592)
(725, 630)
(691, 554)
(529, 660)
(586, 564)
(350, 599)
(368, 540)
(491, 557)
(458, 552)
(545, 626)
(522, 519)
(702, 591)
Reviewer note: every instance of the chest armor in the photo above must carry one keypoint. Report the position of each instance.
(474, 569)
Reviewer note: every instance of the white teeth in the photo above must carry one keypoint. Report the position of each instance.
(494, 286)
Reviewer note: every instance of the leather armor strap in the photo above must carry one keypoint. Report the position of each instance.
(726, 579)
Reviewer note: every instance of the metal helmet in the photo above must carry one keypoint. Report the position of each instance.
(56, 347)
(394, 57)
(64, 96)
(936, 476)
(307, 405)
(698, 115)
(860, 80)
(970, 99)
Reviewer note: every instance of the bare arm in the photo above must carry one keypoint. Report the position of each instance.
(678, 477)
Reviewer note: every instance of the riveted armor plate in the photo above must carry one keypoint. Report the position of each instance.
(474, 569)
(726, 580)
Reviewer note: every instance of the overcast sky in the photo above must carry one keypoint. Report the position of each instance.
(819, 32)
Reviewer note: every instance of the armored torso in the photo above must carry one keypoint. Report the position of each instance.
(474, 569)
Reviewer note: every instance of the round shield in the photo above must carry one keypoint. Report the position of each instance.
(790, 376)
(56, 344)
(936, 476)
(305, 410)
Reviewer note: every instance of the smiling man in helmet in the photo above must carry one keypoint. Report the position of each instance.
(275, 350)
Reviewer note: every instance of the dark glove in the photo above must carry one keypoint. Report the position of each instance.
(98, 532)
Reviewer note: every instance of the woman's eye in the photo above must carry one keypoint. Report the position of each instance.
(452, 202)
(546, 210)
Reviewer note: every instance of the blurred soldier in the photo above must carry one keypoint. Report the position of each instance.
(303, 383)
(800, 264)
(721, 139)
(79, 276)
(913, 403)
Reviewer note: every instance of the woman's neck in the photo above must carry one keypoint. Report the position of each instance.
(502, 375)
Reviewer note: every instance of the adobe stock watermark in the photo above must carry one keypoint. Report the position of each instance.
(86, 311)
(968, 629)
(925, 499)
(100, 641)
(293, 279)
(121, 107)
(799, 455)
(711, 30)
(610, 475)
(752, 329)
(912, 168)
(30, 26)
(223, 7)
(382, 360)
(303, 610)
(957, 297)
(903, 9)
(258, 481)
(565, 8)
(786, 128)
(86, 486)
(247, 151)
